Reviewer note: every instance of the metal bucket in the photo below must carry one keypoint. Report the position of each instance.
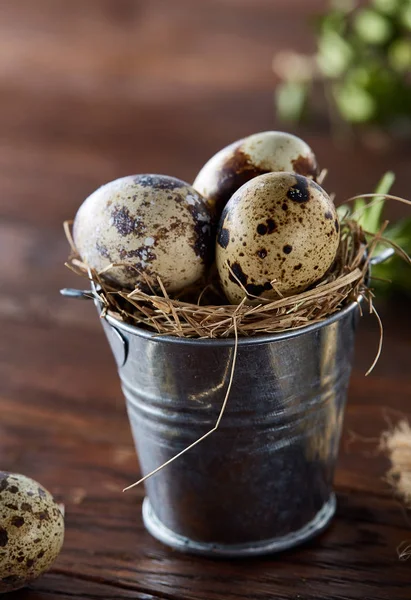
(263, 481)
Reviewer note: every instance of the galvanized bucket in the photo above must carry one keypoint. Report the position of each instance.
(263, 481)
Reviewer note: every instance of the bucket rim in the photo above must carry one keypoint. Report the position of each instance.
(242, 341)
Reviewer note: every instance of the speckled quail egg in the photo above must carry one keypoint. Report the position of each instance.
(31, 531)
(249, 157)
(152, 224)
(278, 233)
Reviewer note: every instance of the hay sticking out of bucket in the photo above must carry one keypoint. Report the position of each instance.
(204, 313)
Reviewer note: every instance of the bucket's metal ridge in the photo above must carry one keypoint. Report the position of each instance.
(263, 481)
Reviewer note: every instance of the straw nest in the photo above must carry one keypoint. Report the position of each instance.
(203, 312)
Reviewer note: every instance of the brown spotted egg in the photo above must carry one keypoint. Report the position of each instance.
(249, 157)
(279, 232)
(151, 225)
(31, 531)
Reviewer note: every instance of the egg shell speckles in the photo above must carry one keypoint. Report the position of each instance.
(279, 226)
(31, 531)
(249, 157)
(152, 224)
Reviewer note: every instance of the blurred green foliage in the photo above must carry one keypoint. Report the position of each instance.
(363, 59)
(393, 275)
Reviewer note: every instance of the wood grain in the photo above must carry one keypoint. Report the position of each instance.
(94, 90)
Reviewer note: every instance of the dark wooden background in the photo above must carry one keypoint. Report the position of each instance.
(91, 90)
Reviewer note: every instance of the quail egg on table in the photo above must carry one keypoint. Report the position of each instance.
(278, 235)
(152, 225)
(249, 157)
(31, 531)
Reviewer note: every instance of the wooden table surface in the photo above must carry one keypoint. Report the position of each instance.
(91, 90)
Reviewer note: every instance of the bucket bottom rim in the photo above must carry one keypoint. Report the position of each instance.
(165, 535)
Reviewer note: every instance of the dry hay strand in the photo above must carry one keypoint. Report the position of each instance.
(204, 313)
(206, 435)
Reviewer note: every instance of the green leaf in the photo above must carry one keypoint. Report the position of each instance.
(358, 211)
(354, 103)
(360, 76)
(388, 7)
(396, 269)
(373, 212)
(334, 54)
(399, 54)
(400, 233)
(334, 21)
(344, 211)
(368, 215)
(405, 16)
(395, 274)
(290, 100)
(344, 6)
(372, 27)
